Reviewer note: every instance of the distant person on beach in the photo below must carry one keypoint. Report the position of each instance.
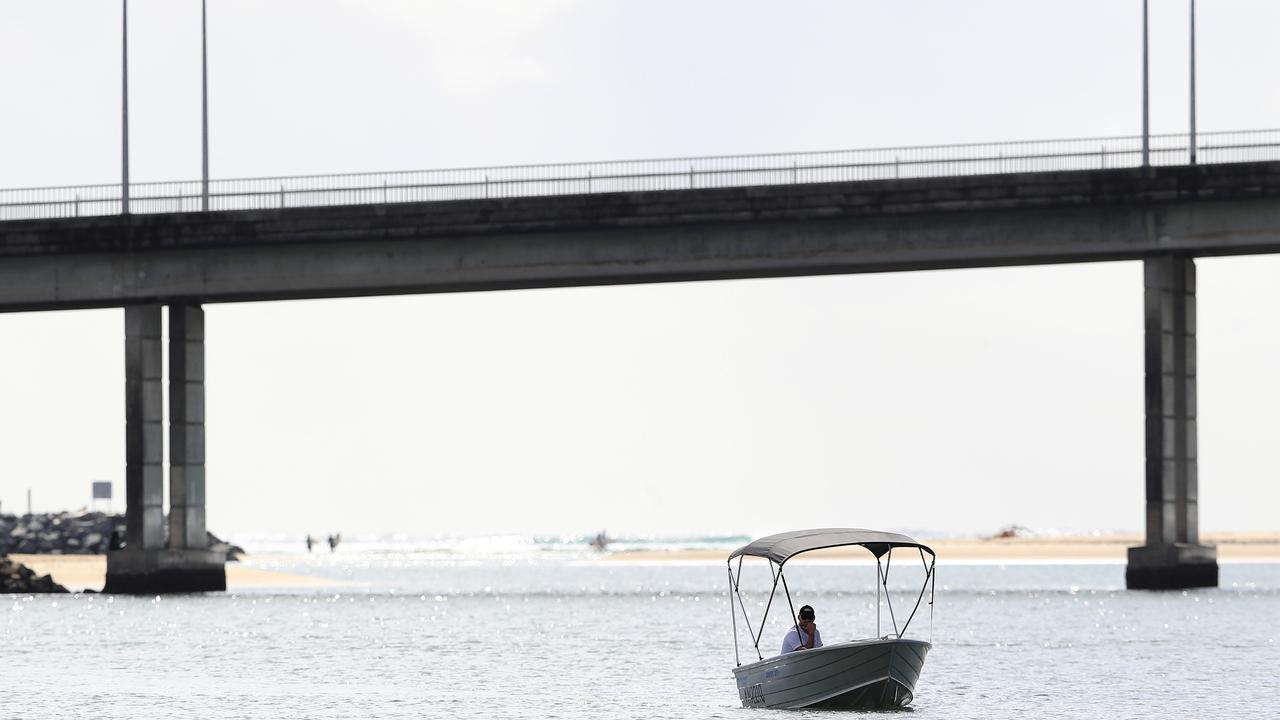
(334, 540)
(310, 542)
(805, 635)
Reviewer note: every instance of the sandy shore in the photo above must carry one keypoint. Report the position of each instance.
(79, 572)
(1232, 547)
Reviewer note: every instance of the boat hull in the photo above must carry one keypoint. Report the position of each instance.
(860, 674)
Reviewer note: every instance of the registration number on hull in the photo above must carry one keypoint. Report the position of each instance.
(752, 695)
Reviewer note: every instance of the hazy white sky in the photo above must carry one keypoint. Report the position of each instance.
(953, 401)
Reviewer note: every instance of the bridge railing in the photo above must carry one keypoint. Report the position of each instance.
(640, 175)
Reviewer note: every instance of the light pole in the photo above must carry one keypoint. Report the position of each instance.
(204, 72)
(1146, 127)
(1192, 142)
(124, 179)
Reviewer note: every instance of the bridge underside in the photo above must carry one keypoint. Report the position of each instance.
(1163, 216)
(604, 239)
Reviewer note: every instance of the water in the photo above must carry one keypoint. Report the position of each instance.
(426, 634)
(496, 547)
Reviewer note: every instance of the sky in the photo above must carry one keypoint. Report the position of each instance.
(945, 401)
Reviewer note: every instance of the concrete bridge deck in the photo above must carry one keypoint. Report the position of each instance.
(638, 237)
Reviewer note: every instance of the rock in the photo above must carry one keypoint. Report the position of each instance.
(74, 533)
(18, 578)
(233, 552)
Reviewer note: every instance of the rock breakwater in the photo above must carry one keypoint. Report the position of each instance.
(18, 578)
(87, 533)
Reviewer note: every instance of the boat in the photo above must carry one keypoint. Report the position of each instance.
(876, 673)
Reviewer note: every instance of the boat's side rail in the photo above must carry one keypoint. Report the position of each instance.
(827, 649)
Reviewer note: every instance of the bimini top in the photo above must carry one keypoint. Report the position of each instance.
(779, 548)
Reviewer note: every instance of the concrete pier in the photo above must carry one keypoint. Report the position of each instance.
(1173, 556)
(186, 427)
(183, 562)
(144, 427)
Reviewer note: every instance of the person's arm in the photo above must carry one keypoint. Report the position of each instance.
(813, 633)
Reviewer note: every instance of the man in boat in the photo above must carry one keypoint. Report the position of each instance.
(805, 635)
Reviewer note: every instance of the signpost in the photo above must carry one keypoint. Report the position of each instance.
(102, 491)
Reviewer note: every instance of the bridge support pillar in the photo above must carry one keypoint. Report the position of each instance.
(1173, 556)
(184, 562)
(186, 427)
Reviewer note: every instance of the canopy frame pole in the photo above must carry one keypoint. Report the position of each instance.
(928, 573)
(787, 590)
(933, 585)
(888, 597)
(880, 544)
(768, 605)
(733, 616)
(878, 576)
(742, 604)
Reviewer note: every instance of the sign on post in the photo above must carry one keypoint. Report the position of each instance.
(101, 491)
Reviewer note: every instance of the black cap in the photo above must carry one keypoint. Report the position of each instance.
(806, 612)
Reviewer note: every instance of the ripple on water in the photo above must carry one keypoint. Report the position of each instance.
(582, 641)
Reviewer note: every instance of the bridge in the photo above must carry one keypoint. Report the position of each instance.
(185, 244)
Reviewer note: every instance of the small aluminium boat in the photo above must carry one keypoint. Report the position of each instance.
(873, 673)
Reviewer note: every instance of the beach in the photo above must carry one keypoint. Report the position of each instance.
(80, 572)
(89, 572)
(1232, 547)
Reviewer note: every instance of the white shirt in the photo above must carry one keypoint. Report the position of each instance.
(797, 638)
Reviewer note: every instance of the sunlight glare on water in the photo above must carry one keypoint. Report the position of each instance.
(408, 635)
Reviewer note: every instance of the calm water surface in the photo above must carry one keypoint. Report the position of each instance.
(415, 635)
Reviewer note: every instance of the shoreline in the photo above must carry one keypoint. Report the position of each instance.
(1232, 548)
(89, 572)
(81, 572)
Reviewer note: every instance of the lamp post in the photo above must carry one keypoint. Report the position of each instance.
(204, 73)
(124, 178)
(1146, 127)
(1192, 142)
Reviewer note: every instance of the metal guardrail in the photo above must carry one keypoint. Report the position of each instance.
(640, 175)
